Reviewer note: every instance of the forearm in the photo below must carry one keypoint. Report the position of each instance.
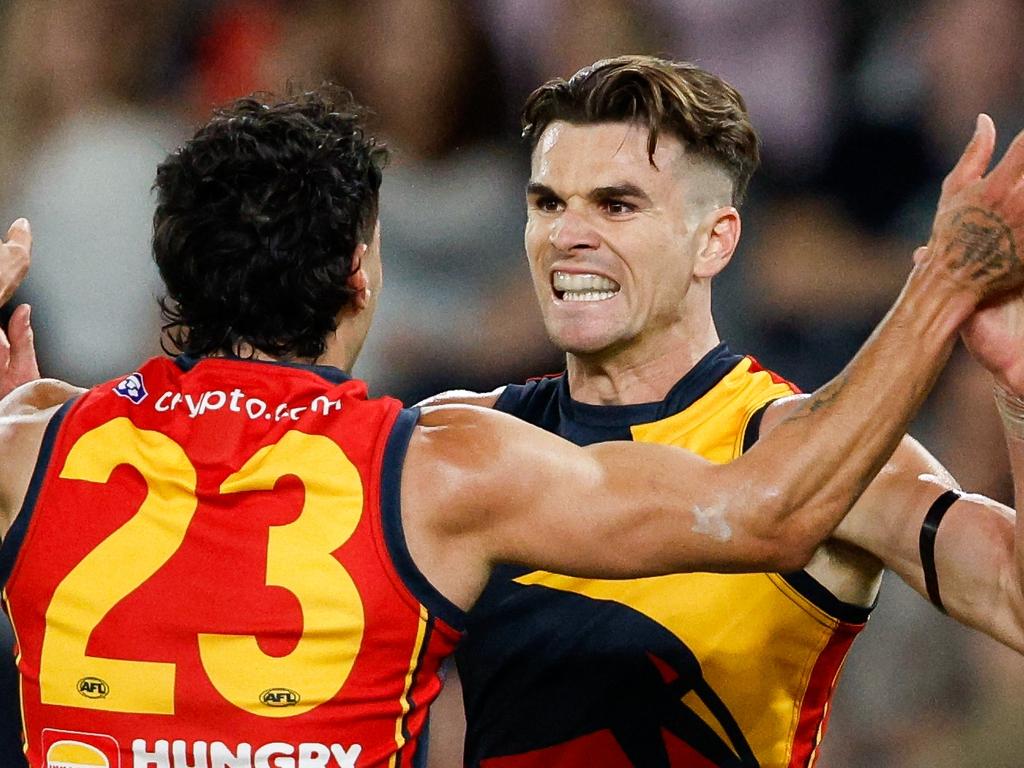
(1011, 408)
(816, 463)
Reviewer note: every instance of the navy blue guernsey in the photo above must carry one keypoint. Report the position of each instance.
(572, 673)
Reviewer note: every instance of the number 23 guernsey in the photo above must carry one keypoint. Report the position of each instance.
(209, 572)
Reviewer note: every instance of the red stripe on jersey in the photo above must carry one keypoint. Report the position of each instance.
(756, 367)
(815, 708)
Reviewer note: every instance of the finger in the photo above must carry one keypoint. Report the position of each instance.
(976, 157)
(919, 254)
(1009, 170)
(20, 232)
(5, 359)
(23, 365)
(15, 258)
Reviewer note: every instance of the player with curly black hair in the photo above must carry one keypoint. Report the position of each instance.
(236, 558)
(269, 203)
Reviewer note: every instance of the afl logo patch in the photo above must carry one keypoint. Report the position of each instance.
(279, 697)
(132, 387)
(93, 688)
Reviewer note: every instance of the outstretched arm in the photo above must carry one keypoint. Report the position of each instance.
(17, 347)
(977, 556)
(484, 488)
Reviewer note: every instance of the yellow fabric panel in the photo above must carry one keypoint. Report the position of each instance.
(756, 637)
(714, 425)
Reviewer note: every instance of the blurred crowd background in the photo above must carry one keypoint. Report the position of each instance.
(862, 107)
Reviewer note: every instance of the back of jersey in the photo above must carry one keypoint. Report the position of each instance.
(209, 572)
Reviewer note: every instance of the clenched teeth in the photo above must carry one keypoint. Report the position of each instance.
(569, 281)
(570, 286)
(587, 295)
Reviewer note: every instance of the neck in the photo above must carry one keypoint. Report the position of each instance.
(335, 355)
(642, 373)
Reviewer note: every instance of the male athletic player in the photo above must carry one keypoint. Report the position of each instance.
(637, 166)
(235, 559)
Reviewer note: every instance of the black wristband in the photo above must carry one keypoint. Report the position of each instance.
(929, 529)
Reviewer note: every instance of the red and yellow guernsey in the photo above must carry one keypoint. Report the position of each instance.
(687, 671)
(209, 572)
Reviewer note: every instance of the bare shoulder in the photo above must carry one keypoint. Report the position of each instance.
(459, 467)
(24, 415)
(36, 400)
(474, 459)
(464, 397)
(462, 435)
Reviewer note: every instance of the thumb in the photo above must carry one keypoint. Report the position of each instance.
(23, 366)
(20, 232)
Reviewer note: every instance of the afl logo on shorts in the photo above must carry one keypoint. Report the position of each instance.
(75, 754)
(132, 387)
(279, 697)
(93, 688)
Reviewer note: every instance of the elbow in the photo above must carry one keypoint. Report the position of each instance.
(789, 555)
(789, 546)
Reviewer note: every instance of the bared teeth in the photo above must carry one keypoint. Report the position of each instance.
(583, 283)
(587, 295)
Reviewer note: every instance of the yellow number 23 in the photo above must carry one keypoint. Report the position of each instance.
(313, 672)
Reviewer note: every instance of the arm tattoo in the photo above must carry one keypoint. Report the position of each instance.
(983, 243)
(823, 399)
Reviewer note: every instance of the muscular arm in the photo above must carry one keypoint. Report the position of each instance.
(481, 488)
(979, 554)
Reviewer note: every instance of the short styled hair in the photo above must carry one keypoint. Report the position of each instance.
(698, 108)
(258, 216)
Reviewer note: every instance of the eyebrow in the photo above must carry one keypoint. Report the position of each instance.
(540, 190)
(620, 190)
(625, 189)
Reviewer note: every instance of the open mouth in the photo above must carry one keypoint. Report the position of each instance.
(569, 286)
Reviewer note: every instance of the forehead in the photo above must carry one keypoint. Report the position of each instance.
(603, 154)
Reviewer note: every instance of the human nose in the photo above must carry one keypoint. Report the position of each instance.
(572, 232)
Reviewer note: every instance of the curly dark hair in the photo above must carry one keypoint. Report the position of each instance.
(700, 109)
(257, 219)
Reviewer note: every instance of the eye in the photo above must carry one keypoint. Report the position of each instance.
(547, 204)
(618, 207)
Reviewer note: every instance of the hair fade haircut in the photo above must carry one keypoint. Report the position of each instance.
(258, 216)
(698, 108)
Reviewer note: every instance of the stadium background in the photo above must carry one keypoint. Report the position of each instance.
(862, 106)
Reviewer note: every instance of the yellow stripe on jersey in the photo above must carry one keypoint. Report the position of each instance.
(714, 425)
(421, 632)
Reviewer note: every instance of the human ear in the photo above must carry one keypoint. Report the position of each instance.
(722, 235)
(357, 279)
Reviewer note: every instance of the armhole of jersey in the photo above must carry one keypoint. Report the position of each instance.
(394, 534)
(818, 594)
(805, 584)
(509, 398)
(752, 430)
(11, 545)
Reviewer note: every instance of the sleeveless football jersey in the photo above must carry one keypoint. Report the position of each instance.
(691, 670)
(210, 572)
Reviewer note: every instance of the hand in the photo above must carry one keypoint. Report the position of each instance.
(978, 236)
(994, 335)
(17, 348)
(15, 256)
